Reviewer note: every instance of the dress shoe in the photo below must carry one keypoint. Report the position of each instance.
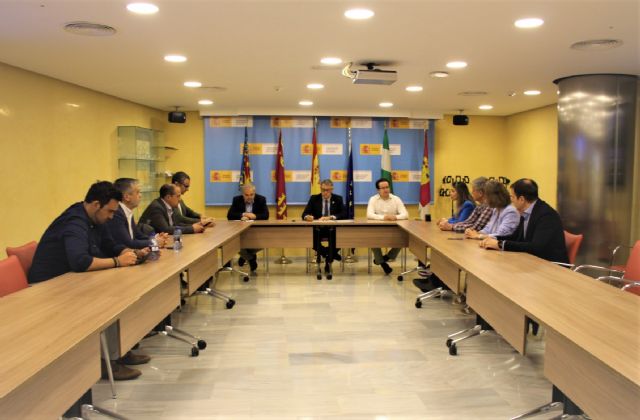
(386, 268)
(135, 359)
(120, 372)
(253, 264)
(425, 285)
(241, 262)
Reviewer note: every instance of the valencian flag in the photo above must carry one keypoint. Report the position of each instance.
(385, 162)
(281, 194)
(425, 181)
(315, 166)
(350, 199)
(245, 168)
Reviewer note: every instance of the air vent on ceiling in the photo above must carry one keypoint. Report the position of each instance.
(596, 44)
(89, 29)
(473, 93)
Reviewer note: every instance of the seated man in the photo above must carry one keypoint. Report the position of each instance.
(79, 241)
(385, 206)
(248, 206)
(325, 206)
(159, 214)
(184, 215)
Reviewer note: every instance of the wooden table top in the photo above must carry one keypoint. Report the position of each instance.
(49, 318)
(301, 222)
(601, 319)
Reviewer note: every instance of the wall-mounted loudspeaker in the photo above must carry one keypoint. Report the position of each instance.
(460, 120)
(177, 117)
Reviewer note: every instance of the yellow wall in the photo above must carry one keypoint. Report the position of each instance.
(51, 151)
(532, 149)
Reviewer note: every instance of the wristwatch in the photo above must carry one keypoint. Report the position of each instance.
(501, 245)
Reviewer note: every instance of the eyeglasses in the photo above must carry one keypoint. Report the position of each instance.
(326, 189)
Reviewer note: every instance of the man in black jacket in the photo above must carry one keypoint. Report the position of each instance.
(160, 212)
(183, 214)
(540, 231)
(248, 206)
(325, 206)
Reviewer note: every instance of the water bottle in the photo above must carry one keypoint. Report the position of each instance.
(154, 254)
(177, 239)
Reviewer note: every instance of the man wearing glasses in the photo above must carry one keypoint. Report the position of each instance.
(385, 206)
(325, 206)
(183, 214)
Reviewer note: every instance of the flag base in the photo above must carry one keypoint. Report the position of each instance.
(282, 259)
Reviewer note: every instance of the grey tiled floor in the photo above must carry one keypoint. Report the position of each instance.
(355, 347)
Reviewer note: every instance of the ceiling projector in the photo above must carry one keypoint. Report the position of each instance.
(370, 75)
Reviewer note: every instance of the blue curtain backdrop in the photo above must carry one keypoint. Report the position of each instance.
(222, 152)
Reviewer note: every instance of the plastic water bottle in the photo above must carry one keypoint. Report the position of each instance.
(177, 239)
(155, 249)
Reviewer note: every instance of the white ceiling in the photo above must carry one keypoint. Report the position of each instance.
(265, 52)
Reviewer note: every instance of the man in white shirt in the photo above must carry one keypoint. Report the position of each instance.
(385, 206)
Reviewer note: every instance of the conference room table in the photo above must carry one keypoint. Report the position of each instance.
(50, 340)
(592, 344)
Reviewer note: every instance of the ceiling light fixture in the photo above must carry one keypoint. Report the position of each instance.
(205, 102)
(175, 58)
(192, 84)
(531, 92)
(456, 64)
(439, 74)
(385, 104)
(331, 61)
(413, 88)
(305, 103)
(596, 44)
(528, 23)
(485, 107)
(142, 8)
(315, 86)
(359, 14)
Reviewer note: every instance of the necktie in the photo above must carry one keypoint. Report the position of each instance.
(132, 226)
(521, 231)
(325, 211)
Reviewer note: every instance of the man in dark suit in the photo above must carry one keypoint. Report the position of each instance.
(123, 227)
(248, 206)
(183, 214)
(325, 206)
(540, 231)
(160, 212)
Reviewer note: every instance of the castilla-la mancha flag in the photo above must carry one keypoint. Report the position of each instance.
(281, 193)
(315, 166)
(425, 181)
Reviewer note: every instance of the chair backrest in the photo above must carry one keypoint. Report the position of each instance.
(632, 271)
(632, 288)
(25, 254)
(12, 277)
(572, 242)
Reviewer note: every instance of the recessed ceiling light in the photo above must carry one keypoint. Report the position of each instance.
(193, 84)
(485, 107)
(305, 103)
(385, 104)
(175, 58)
(315, 86)
(359, 14)
(142, 8)
(413, 88)
(331, 61)
(438, 74)
(456, 64)
(528, 23)
(531, 92)
(205, 102)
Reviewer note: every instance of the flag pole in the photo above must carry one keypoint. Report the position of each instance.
(350, 258)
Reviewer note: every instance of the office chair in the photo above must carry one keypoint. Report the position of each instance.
(630, 271)
(24, 253)
(12, 277)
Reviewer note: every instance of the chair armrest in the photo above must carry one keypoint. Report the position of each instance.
(630, 285)
(564, 264)
(596, 267)
(610, 279)
(615, 251)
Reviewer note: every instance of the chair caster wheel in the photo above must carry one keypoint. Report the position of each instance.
(448, 343)
(319, 276)
(418, 304)
(202, 344)
(245, 279)
(400, 278)
(230, 303)
(453, 350)
(329, 276)
(194, 352)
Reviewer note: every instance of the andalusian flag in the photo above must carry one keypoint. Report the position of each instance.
(385, 162)
(281, 193)
(245, 168)
(425, 181)
(315, 166)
